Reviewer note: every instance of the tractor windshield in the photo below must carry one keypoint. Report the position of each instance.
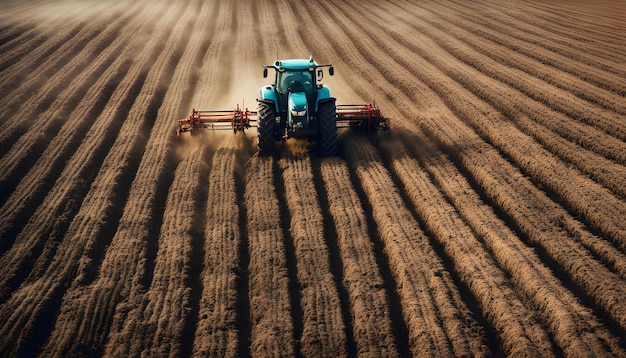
(294, 81)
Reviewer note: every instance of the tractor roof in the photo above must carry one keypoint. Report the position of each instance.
(295, 64)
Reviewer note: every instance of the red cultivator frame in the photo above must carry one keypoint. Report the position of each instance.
(237, 120)
(354, 116)
(361, 116)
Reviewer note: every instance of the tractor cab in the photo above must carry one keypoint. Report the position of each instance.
(295, 81)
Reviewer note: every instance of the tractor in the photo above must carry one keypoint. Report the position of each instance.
(295, 105)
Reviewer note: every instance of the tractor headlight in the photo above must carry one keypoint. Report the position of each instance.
(298, 114)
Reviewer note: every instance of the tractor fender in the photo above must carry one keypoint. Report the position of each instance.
(323, 93)
(267, 93)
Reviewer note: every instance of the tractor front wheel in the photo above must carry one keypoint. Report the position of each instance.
(327, 119)
(266, 125)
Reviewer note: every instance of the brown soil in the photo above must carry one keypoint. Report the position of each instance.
(491, 221)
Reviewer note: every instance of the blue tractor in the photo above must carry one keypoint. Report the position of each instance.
(295, 105)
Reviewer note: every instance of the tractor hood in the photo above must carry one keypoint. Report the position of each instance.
(297, 103)
(297, 111)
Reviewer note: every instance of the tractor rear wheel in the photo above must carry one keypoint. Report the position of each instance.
(266, 125)
(327, 120)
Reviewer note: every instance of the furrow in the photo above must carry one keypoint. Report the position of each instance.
(323, 332)
(94, 60)
(572, 43)
(36, 184)
(372, 328)
(476, 252)
(161, 320)
(470, 150)
(439, 322)
(88, 312)
(35, 48)
(23, 46)
(38, 99)
(217, 333)
(600, 208)
(534, 46)
(545, 223)
(576, 28)
(214, 81)
(489, 222)
(23, 26)
(557, 109)
(39, 291)
(530, 59)
(272, 331)
(156, 321)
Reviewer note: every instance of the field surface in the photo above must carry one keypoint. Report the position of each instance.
(491, 221)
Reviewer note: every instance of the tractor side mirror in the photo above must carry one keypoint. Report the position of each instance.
(265, 73)
(320, 74)
(331, 70)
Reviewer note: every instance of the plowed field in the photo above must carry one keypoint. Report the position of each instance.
(491, 221)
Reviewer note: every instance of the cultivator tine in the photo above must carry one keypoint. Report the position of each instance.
(361, 116)
(237, 120)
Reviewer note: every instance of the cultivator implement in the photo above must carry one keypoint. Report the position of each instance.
(354, 116)
(361, 116)
(236, 120)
